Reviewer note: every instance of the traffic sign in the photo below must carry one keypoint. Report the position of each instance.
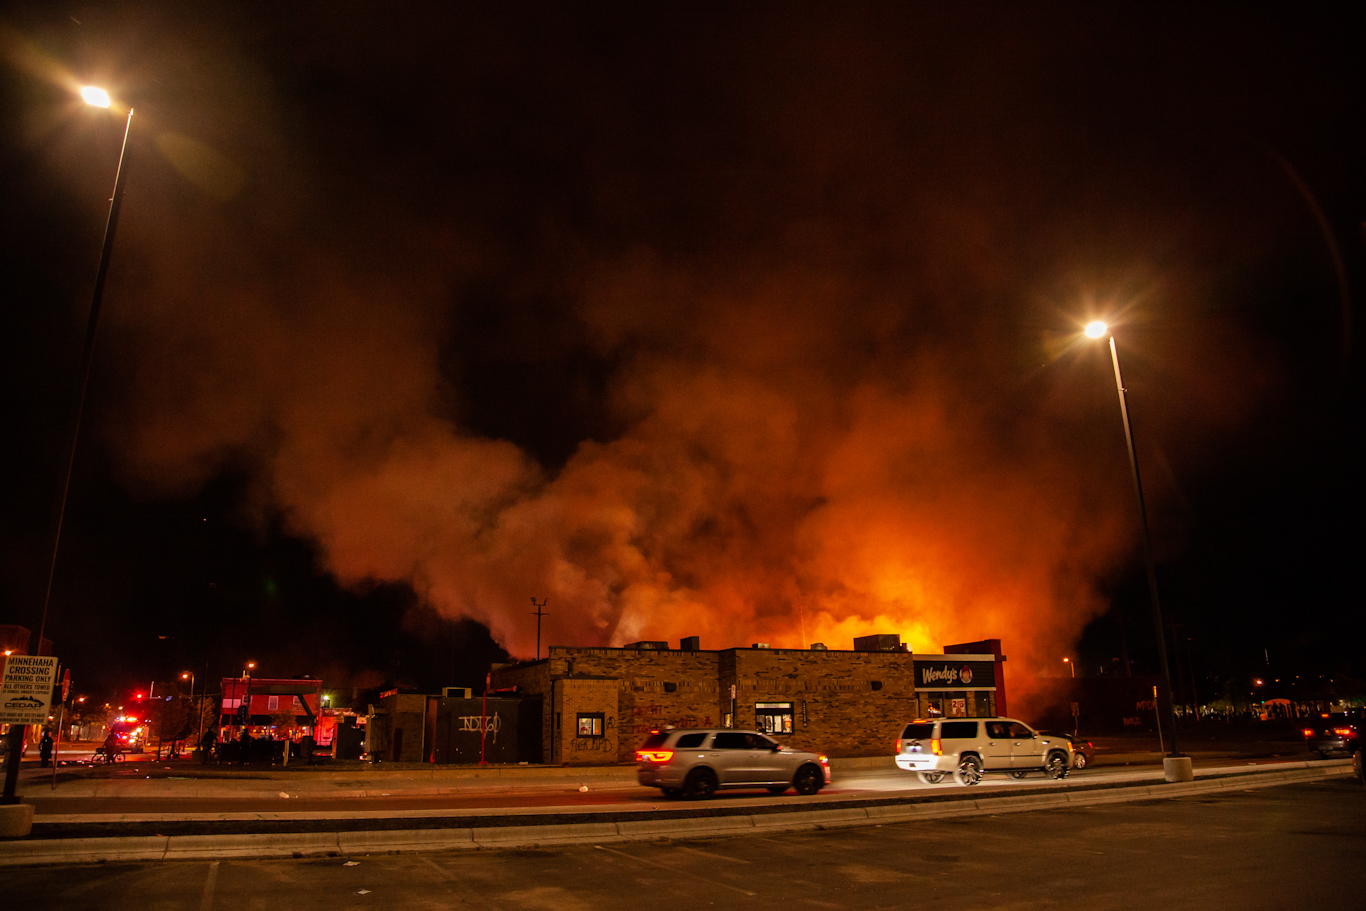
(26, 688)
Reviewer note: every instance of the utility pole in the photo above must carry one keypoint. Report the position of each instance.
(538, 614)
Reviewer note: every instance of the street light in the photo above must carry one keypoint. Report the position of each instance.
(199, 709)
(96, 97)
(1068, 662)
(246, 702)
(1175, 766)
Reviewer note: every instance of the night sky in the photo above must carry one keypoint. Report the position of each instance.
(757, 322)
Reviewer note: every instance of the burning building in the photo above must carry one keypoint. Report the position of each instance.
(599, 703)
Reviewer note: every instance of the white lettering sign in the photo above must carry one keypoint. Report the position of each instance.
(26, 688)
(492, 724)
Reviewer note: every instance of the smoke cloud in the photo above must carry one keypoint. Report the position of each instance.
(803, 349)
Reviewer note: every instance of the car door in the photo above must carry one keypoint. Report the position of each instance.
(770, 764)
(1025, 747)
(737, 759)
(997, 751)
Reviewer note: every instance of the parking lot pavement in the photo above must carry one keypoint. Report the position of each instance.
(303, 834)
(1298, 846)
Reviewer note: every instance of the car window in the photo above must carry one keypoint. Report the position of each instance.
(690, 741)
(731, 740)
(998, 729)
(959, 730)
(760, 742)
(918, 731)
(655, 740)
(1019, 731)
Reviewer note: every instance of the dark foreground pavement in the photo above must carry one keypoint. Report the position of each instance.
(1300, 845)
(171, 838)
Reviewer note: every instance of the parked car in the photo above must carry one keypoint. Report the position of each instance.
(1083, 751)
(969, 747)
(1335, 734)
(688, 762)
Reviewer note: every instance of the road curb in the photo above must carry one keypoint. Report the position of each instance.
(200, 847)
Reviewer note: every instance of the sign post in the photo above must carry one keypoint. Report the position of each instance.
(25, 694)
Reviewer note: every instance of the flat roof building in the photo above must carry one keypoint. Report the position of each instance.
(598, 704)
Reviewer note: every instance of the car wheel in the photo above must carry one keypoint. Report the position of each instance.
(1056, 765)
(809, 780)
(1079, 761)
(672, 793)
(777, 789)
(1018, 775)
(700, 785)
(1320, 754)
(969, 771)
(931, 777)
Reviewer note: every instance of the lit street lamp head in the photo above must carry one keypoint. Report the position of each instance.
(95, 96)
(1096, 329)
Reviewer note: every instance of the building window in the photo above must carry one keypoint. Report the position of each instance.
(273, 703)
(876, 684)
(773, 717)
(590, 725)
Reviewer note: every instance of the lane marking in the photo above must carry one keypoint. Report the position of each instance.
(734, 860)
(674, 870)
(206, 903)
(454, 880)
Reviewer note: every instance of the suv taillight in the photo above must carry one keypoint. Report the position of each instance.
(654, 755)
(898, 746)
(937, 747)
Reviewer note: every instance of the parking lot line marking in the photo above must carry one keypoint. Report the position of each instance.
(734, 860)
(651, 863)
(206, 902)
(454, 880)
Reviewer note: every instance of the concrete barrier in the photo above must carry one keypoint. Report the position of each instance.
(388, 842)
(686, 827)
(555, 833)
(282, 844)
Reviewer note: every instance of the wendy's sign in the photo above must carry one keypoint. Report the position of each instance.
(956, 672)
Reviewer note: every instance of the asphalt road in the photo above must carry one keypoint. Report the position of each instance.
(1296, 846)
(283, 800)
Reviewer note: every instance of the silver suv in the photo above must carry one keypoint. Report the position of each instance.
(968, 747)
(695, 763)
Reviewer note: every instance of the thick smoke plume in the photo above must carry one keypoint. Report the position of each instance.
(826, 319)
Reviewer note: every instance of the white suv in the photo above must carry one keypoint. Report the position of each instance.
(968, 747)
(695, 763)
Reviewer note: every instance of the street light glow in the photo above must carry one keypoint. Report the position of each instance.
(95, 96)
(1096, 329)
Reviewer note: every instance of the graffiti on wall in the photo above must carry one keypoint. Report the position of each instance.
(647, 718)
(593, 745)
(492, 724)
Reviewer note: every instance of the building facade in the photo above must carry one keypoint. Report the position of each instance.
(600, 703)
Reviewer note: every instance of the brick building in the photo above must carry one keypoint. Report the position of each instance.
(598, 704)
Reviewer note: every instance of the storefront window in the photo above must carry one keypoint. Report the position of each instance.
(773, 717)
(590, 725)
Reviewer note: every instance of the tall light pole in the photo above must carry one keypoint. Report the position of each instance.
(199, 709)
(1175, 766)
(1068, 662)
(14, 746)
(98, 98)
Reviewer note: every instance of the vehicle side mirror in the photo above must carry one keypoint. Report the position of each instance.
(775, 748)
